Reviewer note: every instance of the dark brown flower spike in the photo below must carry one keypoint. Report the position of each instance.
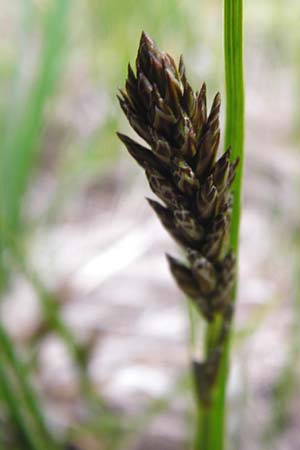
(183, 171)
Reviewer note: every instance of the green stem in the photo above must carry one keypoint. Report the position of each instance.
(209, 432)
(211, 420)
(234, 136)
(234, 129)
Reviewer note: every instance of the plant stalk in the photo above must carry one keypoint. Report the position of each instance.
(211, 420)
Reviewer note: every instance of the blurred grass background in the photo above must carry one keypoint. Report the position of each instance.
(62, 169)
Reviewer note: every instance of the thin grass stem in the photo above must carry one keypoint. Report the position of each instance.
(211, 425)
(234, 136)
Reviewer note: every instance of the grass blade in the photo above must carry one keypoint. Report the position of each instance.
(15, 412)
(20, 397)
(24, 121)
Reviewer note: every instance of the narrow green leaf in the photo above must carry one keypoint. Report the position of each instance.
(25, 117)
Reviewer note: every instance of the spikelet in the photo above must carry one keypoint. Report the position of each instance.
(194, 186)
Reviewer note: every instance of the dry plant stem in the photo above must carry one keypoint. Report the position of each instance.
(212, 421)
(194, 186)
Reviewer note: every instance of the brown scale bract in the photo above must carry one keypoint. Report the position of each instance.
(183, 170)
(181, 161)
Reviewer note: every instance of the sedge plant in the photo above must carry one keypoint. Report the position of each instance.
(194, 187)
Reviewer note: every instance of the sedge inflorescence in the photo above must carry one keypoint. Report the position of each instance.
(193, 185)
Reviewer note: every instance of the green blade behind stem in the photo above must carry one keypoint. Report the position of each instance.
(211, 421)
(22, 128)
(25, 116)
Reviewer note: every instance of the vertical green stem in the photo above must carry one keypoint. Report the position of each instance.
(211, 420)
(234, 130)
(234, 136)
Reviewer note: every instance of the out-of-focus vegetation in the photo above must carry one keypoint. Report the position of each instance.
(61, 63)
